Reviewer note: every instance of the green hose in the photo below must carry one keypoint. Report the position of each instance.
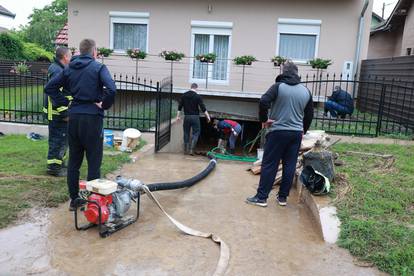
(227, 156)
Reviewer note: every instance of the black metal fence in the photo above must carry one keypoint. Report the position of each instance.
(22, 100)
(381, 107)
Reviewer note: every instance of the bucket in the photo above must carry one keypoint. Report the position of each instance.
(130, 139)
(260, 154)
(108, 138)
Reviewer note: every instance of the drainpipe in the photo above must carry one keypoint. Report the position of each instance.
(359, 37)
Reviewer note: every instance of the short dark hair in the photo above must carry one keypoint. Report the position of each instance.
(86, 46)
(194, 85)
(290, 68)
(61, 52)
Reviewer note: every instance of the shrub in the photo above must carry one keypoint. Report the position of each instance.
(34, 52)
(20, 68)
(244, 60)
(136, 53)
(11, 47)
(210, 58)
(171, 55)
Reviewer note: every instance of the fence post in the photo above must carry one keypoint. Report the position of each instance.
(157, 116)
(207, 64)
(380, 109)
(244, 66)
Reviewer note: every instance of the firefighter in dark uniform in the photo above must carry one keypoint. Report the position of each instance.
(93, 91)
(57, 117)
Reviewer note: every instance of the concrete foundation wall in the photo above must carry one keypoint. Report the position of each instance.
(176, 144)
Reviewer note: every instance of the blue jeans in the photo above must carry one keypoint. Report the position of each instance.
(280, 145)
(233, 138)
(335, 108)
(191, 122)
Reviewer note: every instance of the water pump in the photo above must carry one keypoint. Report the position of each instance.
(105, 203)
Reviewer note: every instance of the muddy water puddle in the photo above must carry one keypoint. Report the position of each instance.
(263, 241)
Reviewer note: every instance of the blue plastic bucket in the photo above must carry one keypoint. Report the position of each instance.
(108, 138)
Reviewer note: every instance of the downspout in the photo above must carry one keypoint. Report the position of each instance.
(361, 27)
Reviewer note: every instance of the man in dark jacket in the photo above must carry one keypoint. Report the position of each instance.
(85, 78)
(57, 117)
(192, 103)
(291, 114)
(340, 103)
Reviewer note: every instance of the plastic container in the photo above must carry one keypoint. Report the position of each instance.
(260, 154)
(117, 142)
(108, 138)
(130, 139)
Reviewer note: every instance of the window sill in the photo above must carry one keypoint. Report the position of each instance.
(210, 81)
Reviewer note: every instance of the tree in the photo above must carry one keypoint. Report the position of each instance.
(10, 46)
(45, 23)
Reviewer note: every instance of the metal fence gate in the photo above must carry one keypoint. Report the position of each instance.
(164, 111)
(139, 104)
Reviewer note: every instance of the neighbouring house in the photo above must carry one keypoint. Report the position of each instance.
(61, 38)
(376, 20)
(6, 19)
(395, 36)
(299, 30)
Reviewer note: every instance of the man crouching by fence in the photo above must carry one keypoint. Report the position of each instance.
(291, 115)
(85, 78)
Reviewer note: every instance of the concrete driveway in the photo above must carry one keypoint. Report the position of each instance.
(263, 241)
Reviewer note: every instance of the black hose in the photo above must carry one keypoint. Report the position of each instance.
(184, 183)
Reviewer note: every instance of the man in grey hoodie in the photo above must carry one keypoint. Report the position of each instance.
(291, 114)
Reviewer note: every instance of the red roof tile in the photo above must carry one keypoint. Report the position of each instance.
(62, 36)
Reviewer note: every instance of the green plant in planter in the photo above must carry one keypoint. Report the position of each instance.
(319, 63)
(278, 60)
(171, 55)
(20, 68)
(136, 53)
(209, 58)
(244, 60)
(105, 52)
(73, 50)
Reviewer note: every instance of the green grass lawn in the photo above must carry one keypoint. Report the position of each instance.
(28, 98)
(23, 181)
(362, 123)
(377, 213)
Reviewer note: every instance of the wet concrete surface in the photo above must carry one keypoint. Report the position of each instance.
(263, 241)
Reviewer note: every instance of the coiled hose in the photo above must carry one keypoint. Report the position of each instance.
(184, 183)
(216, 151)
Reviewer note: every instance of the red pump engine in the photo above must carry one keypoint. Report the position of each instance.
(92, 210)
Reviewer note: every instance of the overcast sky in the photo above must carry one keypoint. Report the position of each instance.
(23, 8)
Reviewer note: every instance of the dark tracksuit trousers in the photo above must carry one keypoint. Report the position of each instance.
(191, 122)
(58, 144)
(280, 145)
(85, 136)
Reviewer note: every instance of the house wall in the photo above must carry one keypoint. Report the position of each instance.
(408, 37)
(6, 21)
(385, 44)
(254, 32)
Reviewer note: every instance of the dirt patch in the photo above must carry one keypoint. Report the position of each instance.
(342, 187)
